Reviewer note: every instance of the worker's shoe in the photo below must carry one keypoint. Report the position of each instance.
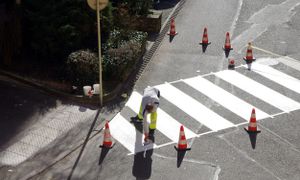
(136, 119)
(151, 131)
(151, 135)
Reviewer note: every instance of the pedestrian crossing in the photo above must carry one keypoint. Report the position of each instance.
(126, 134)
(260, 91)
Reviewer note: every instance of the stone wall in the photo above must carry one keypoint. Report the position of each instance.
(150, 23)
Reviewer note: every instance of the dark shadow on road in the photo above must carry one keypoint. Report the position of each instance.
(142, 165)
(152, 37)
(171, 37)
(20, 106)
(165, 4)
(103, 154)
(83, 146)
(204, 46)
(138, 126)
(226, 51)
(180, 156)
(252, 137)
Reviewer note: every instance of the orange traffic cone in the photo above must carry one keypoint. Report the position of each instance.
(182, 143)
(107, 140)
(205, 41)
(172, 28)
(227, 46)
(249, 56)
(252, 127)
(231, 64)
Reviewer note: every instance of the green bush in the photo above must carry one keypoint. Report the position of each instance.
(54, 29)
(121, 53)
(83, 67)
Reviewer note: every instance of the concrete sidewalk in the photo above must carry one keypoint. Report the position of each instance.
(40, 130)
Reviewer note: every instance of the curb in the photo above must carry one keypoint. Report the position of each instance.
(81, 99)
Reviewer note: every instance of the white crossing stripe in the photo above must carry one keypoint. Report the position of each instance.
(192, 107)
(165, 123)
(126, 134)
(260, 91)
(224, 98)
(277, 76)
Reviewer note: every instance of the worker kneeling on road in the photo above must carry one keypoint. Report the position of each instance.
(149, 105)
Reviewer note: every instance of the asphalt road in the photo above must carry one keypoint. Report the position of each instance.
(273, 27)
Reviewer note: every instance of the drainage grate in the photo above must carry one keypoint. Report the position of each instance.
(143, 62)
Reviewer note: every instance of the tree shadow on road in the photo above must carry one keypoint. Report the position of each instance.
(165, 4)
(83, 146)
(20, 107)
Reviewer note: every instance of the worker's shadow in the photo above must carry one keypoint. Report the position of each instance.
(142, 164)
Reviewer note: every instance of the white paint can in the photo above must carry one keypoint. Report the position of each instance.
(86, 90)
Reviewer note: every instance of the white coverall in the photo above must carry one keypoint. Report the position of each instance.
(150, 97)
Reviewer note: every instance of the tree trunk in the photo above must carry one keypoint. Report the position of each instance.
(10, 34)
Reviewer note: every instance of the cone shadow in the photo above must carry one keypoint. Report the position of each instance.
(204, 46)
(180, 156)
(171, 37)
(103, 154)
(226, 51)
(253, 137)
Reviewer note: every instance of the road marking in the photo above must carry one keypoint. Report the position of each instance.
(165, 123)
(195, 109)
(126, 134)
(277, 76)
(293, 63)
(260, 91)
(224, 98)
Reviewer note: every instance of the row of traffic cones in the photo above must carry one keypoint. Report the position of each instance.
(182, 142)
(227, 46)
(108, 143)
(251, 129)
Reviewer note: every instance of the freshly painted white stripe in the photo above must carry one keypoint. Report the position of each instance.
(293, 63)
(126, 134)
(165, 123)
(224, 98)
(289, 62)
(192, 107)
(133, 102)
(277, 76)
(260, 91)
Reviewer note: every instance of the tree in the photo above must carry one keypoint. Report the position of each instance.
(56, 28)
(10, 33)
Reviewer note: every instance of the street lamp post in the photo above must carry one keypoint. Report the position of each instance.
(98, 5)
(99, 54)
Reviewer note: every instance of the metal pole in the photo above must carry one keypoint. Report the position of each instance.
(99, 53)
